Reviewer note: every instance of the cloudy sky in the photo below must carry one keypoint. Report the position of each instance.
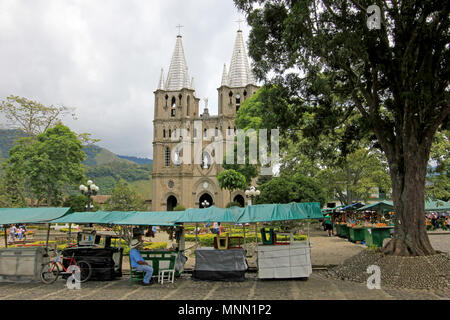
(104, 57)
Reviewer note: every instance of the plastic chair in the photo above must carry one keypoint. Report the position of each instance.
(168, 273)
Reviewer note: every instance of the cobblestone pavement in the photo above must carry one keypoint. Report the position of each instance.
(317, 287)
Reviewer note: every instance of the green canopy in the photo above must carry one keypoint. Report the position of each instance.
(122, 218)
(151, 218)
(379, 206)
(437, 205)
(31, 215)
(211, 214)
(280, 212)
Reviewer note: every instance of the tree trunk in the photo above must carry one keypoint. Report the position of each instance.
(408, 164)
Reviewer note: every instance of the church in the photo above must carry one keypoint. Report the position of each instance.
(187, 143)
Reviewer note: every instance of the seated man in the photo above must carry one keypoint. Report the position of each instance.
(138, 263)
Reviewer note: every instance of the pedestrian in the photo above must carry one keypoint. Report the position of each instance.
(12, 234)
(215, 228)
(19, 233)
(138, 263)
(328, 225)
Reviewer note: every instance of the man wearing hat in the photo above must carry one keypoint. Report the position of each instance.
(138, 263)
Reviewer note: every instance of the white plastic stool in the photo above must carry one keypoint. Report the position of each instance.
(167, 274)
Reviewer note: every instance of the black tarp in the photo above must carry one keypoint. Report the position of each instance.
(106, 263)
(222, 265)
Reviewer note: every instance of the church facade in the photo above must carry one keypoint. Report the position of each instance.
(188, 145)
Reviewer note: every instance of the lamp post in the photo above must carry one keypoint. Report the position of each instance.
(205, 204)
(251, 193)
(90, 190)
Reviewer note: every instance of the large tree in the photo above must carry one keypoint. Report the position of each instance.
(49, 164)
(328, 63)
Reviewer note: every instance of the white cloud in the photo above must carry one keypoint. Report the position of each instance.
(104, 58)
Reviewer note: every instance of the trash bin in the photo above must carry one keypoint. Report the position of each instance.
(22, 264)
(106, 263)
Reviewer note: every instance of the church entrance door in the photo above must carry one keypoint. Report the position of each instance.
(171, 203)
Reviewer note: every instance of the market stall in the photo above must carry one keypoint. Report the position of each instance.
(224, 262)
(108, 261)
(286, 259)
(19, 264)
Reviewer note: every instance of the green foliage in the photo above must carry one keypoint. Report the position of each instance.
(124, 199)
(231, 180)
(107, 175)
(296, 188)
(233, 204)
(438, 177)
(179, 208)
(48, 164)
(207, 240)
(78, 203)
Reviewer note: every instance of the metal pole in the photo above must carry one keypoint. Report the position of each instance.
(48, 235)
(70, 233)
(196, 234)
(243, 225)
(6, 238)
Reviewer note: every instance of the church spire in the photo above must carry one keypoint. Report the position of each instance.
(161, 80)
(178, 71)
(240, 74)
(224, 76)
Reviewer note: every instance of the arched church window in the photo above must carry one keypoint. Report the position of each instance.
(167, 157)
(170, 133)
(204, 133)
(238, 102)
(229, 131)
(188, 105)
(230, 95)
(174, 102)
(164, 133)
(167, 98)
(216, 132)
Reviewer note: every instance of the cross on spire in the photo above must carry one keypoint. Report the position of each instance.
(239, 21)
(179, 29)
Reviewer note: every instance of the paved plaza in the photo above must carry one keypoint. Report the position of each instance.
(317, 287)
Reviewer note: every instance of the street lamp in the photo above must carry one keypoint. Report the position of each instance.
(251, 193)
(90, 190)
(205, 204)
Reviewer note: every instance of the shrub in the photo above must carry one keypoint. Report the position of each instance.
(233, 204)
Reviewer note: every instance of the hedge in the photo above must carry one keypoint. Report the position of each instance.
(207, 240)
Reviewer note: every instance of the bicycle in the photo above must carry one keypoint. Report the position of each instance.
(51, 270)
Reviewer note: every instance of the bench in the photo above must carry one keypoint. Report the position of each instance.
(163, 264)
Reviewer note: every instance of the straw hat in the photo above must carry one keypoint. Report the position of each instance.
(135, 243)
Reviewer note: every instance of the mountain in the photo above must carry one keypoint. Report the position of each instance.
(137, 160)
(8, 139)
(101, 165)
(98, 156)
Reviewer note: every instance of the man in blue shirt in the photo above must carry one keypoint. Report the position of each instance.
(138, 263)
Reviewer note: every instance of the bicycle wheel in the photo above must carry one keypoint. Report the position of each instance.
(49, 273)
(85, 270)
